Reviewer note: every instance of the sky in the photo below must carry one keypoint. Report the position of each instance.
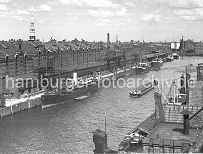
(149, 20)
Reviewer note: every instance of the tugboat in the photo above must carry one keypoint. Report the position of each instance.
(156, 64)
(143, 89)
(175, 56)
(145, 67)
(141, 68)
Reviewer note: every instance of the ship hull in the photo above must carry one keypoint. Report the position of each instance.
(156, 66)
(175, 57)
(142, 89)
(142, 93)
(56, 98)
(169, 59)
(139, 70)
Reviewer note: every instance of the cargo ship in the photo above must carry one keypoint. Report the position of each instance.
(78, 89)
(143, 89)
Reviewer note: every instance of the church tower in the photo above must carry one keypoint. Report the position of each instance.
(32, 29)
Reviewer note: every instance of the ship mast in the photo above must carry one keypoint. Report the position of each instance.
(105, 148)
(174, 88)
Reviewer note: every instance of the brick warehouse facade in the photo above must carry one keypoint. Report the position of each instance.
(22, 57)
(25, 59)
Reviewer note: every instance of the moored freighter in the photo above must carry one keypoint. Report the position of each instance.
(77, 89)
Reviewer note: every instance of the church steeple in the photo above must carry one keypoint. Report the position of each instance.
(32, 29)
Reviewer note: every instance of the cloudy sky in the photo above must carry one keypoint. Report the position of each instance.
(151, 20)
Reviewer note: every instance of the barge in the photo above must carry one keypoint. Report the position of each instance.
(143, 89)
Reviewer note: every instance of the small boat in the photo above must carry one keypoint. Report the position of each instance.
(138, 69)
(156, 64)
(169, 58)
(143, 89)
(175, 56)
(145, 67)
(134, 139)
(141, 68)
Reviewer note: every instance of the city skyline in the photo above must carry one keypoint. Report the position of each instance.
(155, 20)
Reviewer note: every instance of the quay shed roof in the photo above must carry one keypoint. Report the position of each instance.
(151, 55)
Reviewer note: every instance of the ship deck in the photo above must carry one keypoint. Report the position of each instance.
(14, 101)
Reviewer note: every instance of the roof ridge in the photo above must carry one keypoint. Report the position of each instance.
(196, 113)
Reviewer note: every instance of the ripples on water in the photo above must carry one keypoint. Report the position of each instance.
(67, 128)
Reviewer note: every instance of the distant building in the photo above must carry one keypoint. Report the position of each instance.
(189, 46)
(199, 48)
(175, 45)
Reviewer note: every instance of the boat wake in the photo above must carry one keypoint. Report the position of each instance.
(81, 97)
(47, 106)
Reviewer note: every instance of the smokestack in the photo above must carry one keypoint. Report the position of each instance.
(108, 42)
(186, 123)
(108, 38)
(75, 78)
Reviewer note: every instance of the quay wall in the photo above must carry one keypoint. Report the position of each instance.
(20, 107)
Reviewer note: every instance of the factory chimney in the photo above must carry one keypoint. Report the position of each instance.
(108, 42)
